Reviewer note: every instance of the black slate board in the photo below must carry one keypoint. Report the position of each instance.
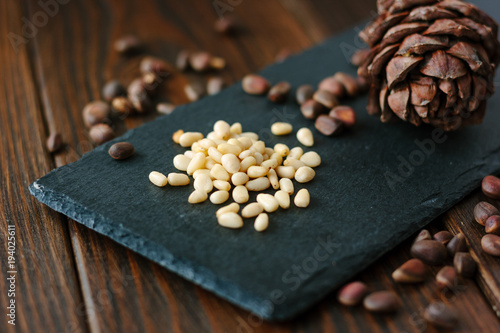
(354, 216)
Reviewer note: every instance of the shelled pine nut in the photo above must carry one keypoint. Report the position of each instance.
(283, 199)
(158, 178)
(219, 197)
(251, 210)
(302, 198)
(178, 179)
(231, 208)
(261, 222)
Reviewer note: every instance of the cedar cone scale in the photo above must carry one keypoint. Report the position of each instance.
(430, 61)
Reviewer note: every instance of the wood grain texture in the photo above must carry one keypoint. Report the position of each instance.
(72, 58)
(47, 290)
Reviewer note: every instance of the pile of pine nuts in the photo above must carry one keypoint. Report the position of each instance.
(230, 159)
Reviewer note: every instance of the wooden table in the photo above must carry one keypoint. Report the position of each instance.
(71, 279)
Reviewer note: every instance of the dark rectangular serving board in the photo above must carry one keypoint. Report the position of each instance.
(355, 216)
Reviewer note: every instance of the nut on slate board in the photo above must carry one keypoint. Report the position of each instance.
(431, 62)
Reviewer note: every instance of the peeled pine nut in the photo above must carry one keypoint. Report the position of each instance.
(281, 128)
(261, 222)
(177, 135)
(259, 158)
(231, 163)
(222, 185)
(197, 196)
(222, 129)
(296, 153)
(270, 164)
(231, 208)
(259, 147)
(187, 139)
(178, 179)
(239, 178)
(311, 159)
(251, 210)
(281, 149)
(283, 199)
(203, 183)
(236, 142)
(257, 171)
(218, 172)
(302, 198)
(285, 171)
(200, 172)
(273, 179)
(268, 202)
(189, 153)
(304, 174)
(230, 220)
(293, 163)
(277, 157)
(158, 178)
(259, 184)
(209, 163)
(268, 151)
(305, 136)
(236, 128)
(240, 194)
(181, 162)
(244, 154)
(226, 148)
(246, 142)
(247, 162)
(205, 144)
(215, 154)
(197, 162)
(250, 135)
(219, 197)
(286, 185)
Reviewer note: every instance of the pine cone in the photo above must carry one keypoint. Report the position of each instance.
(431, 61)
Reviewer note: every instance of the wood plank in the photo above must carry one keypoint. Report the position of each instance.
(461, 219)
(47, 290)
(123, 290)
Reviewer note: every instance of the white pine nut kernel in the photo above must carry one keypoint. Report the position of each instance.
(230, 220)
(273, 179)
(259, 147)
(178, 179)
(203, 183)
(268, 202)
(236, 128)
(197, 148)
(246, 153)
(207, 143)
(285, 171)
(281, 149)
(269, 151)
(304, 174)
(200, 172)
(257, 171)
(226, 148)
(281, 128)
(277, 157)
(236, 142)
(222, 185)
(305, 136)
(177, 135)
(189, 154)
(197, 162)
(311, 159)
(158, 178)
(302, 198)
(296, 153)
(240, 194)
(231, 163)
(259, 184)
(239, 178)
(270, 164)
(219, 197)
(250, 135)
(209, 163)
(197, 196)
(286, 185)
(261, 222)
(247, 162)
(222, 129)
(187, 139)
(214, 154)
(265, 158)
(181, 162)
(231, 208)
(283, 199)
(296, 164)
(258, 158)
(252, 210)
(218, 172)
(246, 142)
